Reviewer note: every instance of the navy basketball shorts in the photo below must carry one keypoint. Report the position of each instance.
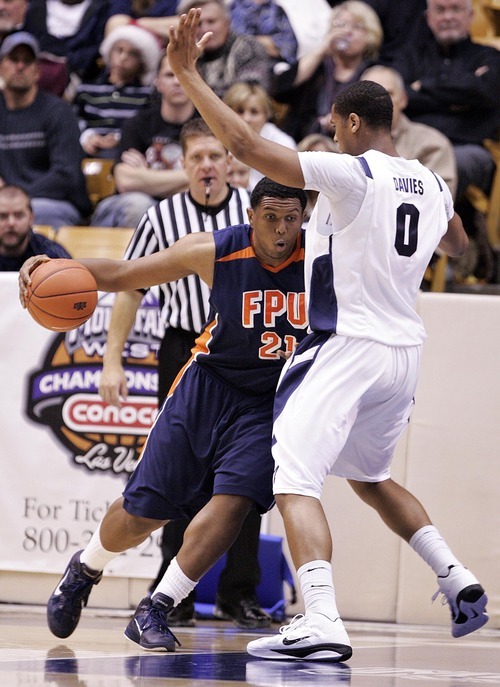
(208, 438)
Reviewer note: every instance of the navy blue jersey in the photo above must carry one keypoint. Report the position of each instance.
(213, 433)
(255, 311)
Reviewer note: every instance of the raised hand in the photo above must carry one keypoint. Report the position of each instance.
(183, 49)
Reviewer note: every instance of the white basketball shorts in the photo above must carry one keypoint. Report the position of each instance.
(343, 403)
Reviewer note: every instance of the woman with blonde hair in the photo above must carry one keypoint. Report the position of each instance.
(352, 44)
(255, 107)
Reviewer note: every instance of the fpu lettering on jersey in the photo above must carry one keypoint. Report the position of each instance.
(273, 304)
(409, 185)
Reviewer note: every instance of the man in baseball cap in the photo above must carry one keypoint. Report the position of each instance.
(13, 40)
(39, 138)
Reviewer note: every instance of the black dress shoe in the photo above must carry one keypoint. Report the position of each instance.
(246, 613)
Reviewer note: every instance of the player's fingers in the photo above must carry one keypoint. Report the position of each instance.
(193, 19)
(124, 390)
(24, 278)
(109, 394)
(22, 291)
(172, 37)
(29, 265)
(204, 40)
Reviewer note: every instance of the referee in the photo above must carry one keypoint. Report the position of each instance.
(209, 204)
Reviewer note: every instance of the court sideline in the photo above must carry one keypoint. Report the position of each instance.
(213, 653)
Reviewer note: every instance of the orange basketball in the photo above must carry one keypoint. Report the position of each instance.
(62, 295)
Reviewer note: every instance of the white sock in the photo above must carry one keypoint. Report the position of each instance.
(94, 555)
(174, 583)
(316, 585)
(430, 546)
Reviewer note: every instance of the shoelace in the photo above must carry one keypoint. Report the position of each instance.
(444, 600)
(79, 587)
(79, 592)
(156, 619)
(294, 623)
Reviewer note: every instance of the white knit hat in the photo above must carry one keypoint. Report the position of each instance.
(143, 40)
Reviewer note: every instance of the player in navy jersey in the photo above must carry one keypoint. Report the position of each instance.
(208, 455)
(346, 394)
(208, 204)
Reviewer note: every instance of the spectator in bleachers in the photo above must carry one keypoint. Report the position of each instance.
(228, 57)
(309, 21)
(255, 107)
(238, 174)
(131, 56)
(39, 139)
(352, 43)
(453, 85)
(53, 72)
(269, 23)
(415, 141)
(153, 15)
(403, 24)
(318, 142)
(18, 241)
(72, 30)
(149, 155)
(12, 16)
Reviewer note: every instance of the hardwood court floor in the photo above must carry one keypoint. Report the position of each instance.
(213, 653)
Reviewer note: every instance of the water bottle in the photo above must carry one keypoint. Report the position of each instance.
(341, 44)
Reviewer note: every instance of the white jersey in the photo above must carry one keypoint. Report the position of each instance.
(366, 255)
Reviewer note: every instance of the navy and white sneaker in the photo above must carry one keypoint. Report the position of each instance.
(64, 607)
(466, 598)
(149, 628)
(307, 638)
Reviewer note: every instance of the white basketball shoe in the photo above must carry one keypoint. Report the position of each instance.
(307, 638)
(466, 598)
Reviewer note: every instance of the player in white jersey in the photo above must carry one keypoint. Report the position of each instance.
(345, 396)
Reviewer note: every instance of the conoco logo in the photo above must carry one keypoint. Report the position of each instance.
(87, 413)
(63, 392)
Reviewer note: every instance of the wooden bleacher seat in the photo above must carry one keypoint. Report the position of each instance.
(435, 274)
(95, 242)
(99, 178)
(45, 229)
(489, 205)
(485, 26)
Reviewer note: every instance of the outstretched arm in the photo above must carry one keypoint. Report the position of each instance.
(193, 254)
(275, 161)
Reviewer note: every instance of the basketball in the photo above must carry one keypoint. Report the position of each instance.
(62, 295)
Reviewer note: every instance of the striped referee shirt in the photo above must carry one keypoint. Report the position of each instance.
(184, 303)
